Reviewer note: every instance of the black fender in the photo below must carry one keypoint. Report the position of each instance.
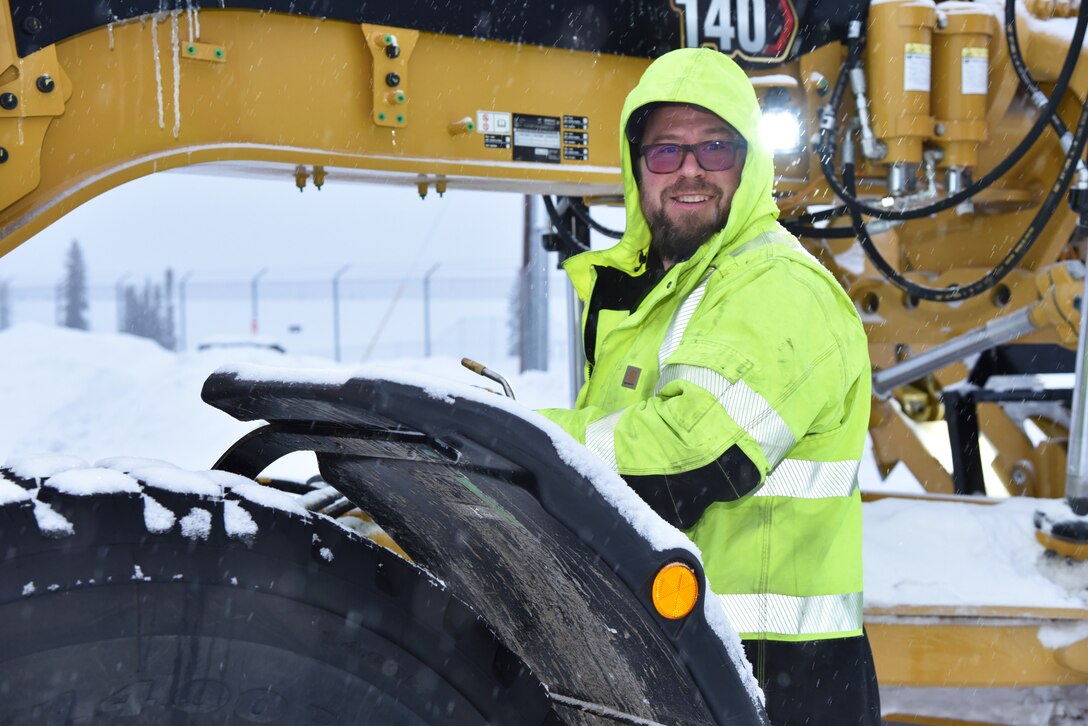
(480, 497)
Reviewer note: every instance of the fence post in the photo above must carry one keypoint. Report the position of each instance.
(336, 311)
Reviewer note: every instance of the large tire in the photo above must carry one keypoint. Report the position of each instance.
(292, 620)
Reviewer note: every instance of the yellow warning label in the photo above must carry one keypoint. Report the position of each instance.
(976, 52)
(919, 49)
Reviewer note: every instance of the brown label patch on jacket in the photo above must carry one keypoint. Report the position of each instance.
(631, 376)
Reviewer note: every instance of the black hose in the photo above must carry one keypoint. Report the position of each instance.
(583, 214)
(802, 230)
(1017, 58)
(1011, 260)
(574, 245)
(828, 142)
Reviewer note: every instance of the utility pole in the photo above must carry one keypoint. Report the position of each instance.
(534, 288)
(336, 311)
(253, 294)
(182, 311)
(427, 309)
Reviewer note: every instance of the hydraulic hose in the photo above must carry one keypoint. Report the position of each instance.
(1011, 260)
(802, 230)
(574, 246)
(799, 225)
(584, 216)
(1036, 93)
(586, 219)
(829, 126)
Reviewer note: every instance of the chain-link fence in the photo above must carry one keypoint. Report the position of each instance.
(349, 314)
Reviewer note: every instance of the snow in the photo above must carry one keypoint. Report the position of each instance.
(50, 522)
(951, 553)
(326, 553)
(269, 497)
(158, 67)
(179, 481)
(237, 522)
(197, 524)
(88, 482)
(1059, 635)
(228, 480)
(157, 518)
(11, 492)
(28, 588)
(42, 466)
(127, 464)
(138, 574)
(175, 51)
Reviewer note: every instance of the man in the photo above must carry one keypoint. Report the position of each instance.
(728, 382)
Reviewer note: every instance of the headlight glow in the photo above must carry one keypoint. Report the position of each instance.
(782, 132)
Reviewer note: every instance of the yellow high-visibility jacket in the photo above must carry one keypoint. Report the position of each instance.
(750, 343)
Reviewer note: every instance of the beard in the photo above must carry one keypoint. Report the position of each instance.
(675, 240)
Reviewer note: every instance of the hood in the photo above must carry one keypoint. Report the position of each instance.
(706, 78)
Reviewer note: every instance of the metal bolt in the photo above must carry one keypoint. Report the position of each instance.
(939, 129)
(3, 154)
(400, 118)
(381, 115)
(45, 83)
(392, 79)
(32, 25)
(190, 49)
(8, 101)
(218, 52)
(392, 51)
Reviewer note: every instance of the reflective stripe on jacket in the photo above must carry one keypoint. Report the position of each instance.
(749, 343)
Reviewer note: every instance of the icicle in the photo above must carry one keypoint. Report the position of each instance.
(196, 20)
(189, 15)
(19, 125)
(158, 65)
(175, 48)
(109, 34)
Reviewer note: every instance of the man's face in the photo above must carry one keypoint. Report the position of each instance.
(686, 207)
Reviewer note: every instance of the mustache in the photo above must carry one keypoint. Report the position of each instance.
(682, 188)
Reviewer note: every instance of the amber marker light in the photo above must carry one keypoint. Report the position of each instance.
(675, 591)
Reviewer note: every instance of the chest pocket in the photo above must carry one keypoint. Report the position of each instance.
(607, 320)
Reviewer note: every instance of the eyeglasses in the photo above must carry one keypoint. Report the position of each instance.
(711, 155)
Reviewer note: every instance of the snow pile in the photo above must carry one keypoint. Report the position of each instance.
(960, 554)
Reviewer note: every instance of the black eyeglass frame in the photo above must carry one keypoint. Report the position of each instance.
(736, 145)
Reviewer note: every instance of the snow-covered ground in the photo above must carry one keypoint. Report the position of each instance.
(100, 395)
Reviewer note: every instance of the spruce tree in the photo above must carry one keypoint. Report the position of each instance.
(74, 290)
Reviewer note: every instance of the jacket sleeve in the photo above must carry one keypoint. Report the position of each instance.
(757, 367)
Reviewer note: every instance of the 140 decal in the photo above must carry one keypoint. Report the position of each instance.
(756, 30)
